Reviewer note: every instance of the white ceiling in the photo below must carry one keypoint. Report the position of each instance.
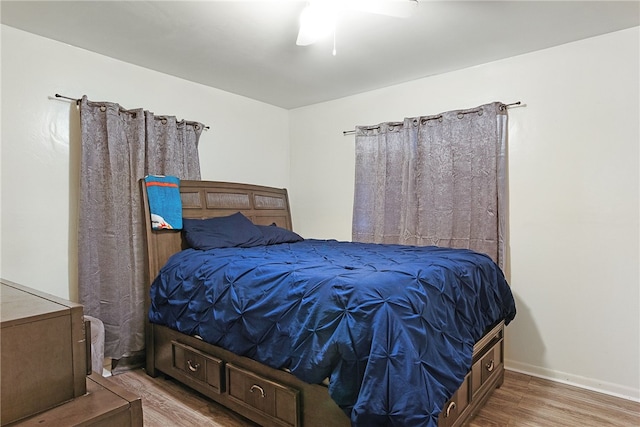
(248, 47)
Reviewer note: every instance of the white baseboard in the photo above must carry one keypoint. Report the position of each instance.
(611, 389)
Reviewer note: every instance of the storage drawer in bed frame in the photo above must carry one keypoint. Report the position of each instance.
(268, 397)
(258, 394)
(276, 398)
(199, 366)
(486, 373)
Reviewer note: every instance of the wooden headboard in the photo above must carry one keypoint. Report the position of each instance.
(209, 199)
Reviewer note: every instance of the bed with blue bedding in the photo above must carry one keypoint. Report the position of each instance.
(390, 330)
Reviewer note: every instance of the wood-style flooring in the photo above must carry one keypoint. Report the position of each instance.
(521, 401)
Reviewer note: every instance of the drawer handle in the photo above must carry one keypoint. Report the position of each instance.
(452, 407)
(257, 387)
(490, 366)
(193, 367)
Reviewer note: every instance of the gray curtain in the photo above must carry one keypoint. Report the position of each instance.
(434, 180)
(119, 147)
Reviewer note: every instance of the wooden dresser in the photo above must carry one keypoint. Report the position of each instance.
(43, 366)
(105, 405)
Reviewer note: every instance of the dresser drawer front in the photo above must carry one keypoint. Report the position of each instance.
(198, 366)
(277, 402)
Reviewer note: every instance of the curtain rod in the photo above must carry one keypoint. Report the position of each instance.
(502, 108)
(57, 95)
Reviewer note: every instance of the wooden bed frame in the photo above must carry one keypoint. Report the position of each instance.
(267, 396)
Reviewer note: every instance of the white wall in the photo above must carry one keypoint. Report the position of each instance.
(573, 176)
(247, 142)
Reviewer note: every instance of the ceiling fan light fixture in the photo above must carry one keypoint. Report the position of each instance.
(317, 21)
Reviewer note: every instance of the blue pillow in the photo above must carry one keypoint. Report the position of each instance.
(274, 235)
(222, 232)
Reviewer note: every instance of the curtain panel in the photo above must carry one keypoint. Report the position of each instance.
(434, 180)
(120, 147)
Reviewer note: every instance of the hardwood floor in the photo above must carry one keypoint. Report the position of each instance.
(167, 403)
(529, 401)
(521, 401)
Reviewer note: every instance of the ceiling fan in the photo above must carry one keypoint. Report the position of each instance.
(318, 19)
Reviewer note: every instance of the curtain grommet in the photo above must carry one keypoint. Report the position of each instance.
(103, 108)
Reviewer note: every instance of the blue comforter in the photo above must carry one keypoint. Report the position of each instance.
(392, 327)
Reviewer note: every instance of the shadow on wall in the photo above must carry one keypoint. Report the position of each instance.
(523, 339)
